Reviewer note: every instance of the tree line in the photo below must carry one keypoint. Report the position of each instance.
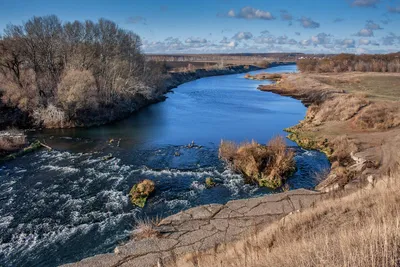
(351, 62)
(74, 72)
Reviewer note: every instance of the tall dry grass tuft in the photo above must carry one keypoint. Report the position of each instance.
(145, 229)
(266, 165)
(360, 229)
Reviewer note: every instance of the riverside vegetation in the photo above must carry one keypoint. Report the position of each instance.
(55, 74)
(267, 166)
(351, 62)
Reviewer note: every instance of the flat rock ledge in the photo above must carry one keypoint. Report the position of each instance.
(204, 227)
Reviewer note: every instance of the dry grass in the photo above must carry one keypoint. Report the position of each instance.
(360, 229)
(145, 229)
(381, 115)
(379, 86)
(341, 107)
(266, 165)
(342, 148)
(321, 175)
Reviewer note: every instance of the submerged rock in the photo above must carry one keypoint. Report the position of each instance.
(141, 191)
(108, 157)
(210, 182)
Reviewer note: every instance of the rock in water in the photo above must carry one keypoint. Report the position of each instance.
(141, 191)
(210, 182)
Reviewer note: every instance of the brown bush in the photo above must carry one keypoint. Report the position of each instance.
(266, 165)
(77, 90)
(50, 117)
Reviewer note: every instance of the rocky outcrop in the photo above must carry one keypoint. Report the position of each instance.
(204, 227)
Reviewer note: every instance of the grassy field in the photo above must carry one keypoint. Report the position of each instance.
(379, 86)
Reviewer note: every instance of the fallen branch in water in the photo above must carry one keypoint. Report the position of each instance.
(32, 147)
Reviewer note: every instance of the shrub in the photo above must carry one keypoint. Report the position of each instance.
(50, 117)
(77, 90)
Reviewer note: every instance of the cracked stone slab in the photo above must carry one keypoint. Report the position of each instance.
(204, 227)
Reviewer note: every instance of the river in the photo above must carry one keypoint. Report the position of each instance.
(64, 205)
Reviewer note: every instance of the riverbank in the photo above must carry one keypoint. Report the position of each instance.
(14, 117)
(353, 118)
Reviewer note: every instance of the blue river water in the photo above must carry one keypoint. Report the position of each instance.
(64, 205)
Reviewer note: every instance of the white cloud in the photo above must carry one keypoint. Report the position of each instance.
(250, 13)
(192, 40)
(365, 3)
(242, 36)
(394, 9)
(137, 20)
(346, 43)
(285, 15)
(364, 42)
(372, 25)
(309, 23)
(365, 33)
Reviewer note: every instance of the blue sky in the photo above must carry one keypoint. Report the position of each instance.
(212, 26)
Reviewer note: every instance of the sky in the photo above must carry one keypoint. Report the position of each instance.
(234, 26)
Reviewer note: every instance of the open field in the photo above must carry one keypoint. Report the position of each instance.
(379, 86)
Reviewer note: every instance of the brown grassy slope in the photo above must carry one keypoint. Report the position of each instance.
(360, 108)
(359, 229)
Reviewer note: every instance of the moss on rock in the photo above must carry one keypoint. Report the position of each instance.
(210, 182)
(141, 191)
